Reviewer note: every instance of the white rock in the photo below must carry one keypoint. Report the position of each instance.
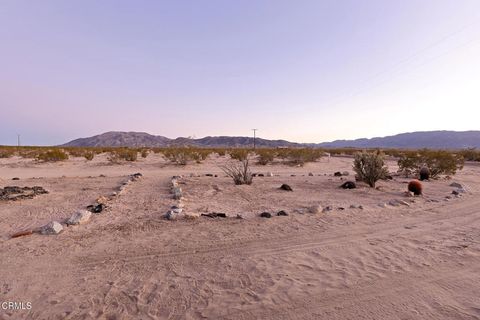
(53, 227)
(79, 217)
(269, 174)
(173, 213)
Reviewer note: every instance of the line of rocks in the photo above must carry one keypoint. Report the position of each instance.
(80, 216)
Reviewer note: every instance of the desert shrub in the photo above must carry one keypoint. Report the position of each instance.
(239, 171)
(238, 154)
(470, 154)
(177, 155)
(265, 156)
(124, 154)
(144, 153)
(436, 161)
(304, 155)
(52, 155)
(89, 155)
(6, 153)
(221, 152)
(370, 167)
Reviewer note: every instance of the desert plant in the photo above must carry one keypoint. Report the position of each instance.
(370, 167)
(415, 187)
(122, 154)
(177, 155)
(436, 161)
(265, 156)
(144, 153)
(89, 155)
(52, 155)
(239, 171)
(238, 154)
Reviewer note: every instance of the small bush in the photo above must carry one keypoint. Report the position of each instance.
(177, 155)
(370, 167)
(239, 171)
(436, 161)
(89, 155)
(238, 154)
(122, 154)
(53, 155)
(144, 153)
(265, 156)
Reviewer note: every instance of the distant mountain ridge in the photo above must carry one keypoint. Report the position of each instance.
(412, 140)
(142, 139)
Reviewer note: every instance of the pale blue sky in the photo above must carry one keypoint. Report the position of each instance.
(306, 71)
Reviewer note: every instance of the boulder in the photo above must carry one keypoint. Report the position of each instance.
(348, 185)
(96, 208)
(424, 174)
(53, 227)
(265, 215)
(282, 213)
(337, 174)
(174, 213)
(79, 217)
(286, 187)
(456, 185)
(310, 174)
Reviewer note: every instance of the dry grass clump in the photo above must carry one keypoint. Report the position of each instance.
(370, 167)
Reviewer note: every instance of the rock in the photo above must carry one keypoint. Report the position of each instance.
(356, 206)
(455, 192)
(337, 174)
(456, 185)
(238, 216)
(341, 208)
(215, 215)
(102, 200)
(310, 174)
(177, 193)
(102, 176)
(265, 215)
(415, 187)
(79, 217)
(191, 215)
(315, 209)
(269, 174)
(282, 213)
(53, 227)
(293, 175)
(327, 209)
(394, 203)
(16, 178)
(382, 205)
(348, 185)
(345, 173)
(174, 213)
(424, 174)
(286, 187)
(260, 175)
(209, 175)
(96, 208)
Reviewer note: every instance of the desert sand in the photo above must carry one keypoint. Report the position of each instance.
(419, 260)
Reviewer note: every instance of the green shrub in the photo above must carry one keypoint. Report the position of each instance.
(370, 167)
(438, 162)
(53, 155)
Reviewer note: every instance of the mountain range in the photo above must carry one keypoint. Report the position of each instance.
(412, 140)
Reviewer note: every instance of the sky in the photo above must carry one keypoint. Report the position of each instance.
(303, 70)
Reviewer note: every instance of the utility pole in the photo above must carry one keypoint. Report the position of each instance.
(254, 138)
(18, 139)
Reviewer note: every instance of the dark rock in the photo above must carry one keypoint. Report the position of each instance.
(424, 174)
(96, 208)
(16, 178)
(286, 187)
(455, 192)
(239, 216)
(260, 175)
(214, 215)
(209, 175)
(348, 185)
(341, 208)
(337, 174)
(282, 213)
(265, 215)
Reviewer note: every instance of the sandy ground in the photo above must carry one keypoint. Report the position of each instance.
(420, 261)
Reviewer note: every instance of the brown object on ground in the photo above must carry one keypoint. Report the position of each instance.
(415, 187)
(21, 234)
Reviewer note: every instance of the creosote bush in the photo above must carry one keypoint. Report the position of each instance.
(239, 171)
(124, 154)
(370, 167)
(437, 162)
(52, 155)
(265, 156)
